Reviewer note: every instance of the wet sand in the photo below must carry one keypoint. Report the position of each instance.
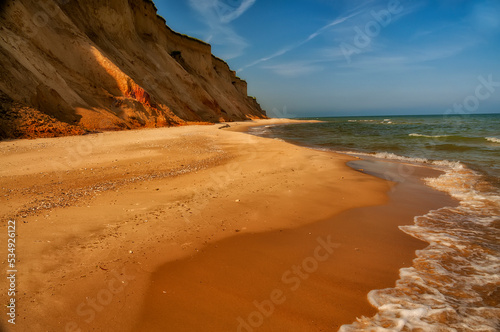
(311, 278)
(184, 228)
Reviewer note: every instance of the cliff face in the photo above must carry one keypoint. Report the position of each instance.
(70, 66)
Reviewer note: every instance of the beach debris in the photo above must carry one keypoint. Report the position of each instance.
(130, 252)
(72, 196)
(224, 126)
(237, 200)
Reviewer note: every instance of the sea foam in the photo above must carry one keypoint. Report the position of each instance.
(427, 136)
(452, 284)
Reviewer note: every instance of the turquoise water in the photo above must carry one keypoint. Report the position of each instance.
(454, 283)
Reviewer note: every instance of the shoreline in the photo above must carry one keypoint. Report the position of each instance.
(288, 287)
(139, 209)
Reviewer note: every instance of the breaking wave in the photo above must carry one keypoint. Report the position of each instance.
(453, 284)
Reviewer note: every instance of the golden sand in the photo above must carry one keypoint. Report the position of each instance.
(196, 228)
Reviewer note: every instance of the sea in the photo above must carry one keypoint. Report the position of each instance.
(454, 283)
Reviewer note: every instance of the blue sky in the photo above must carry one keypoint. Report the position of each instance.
(341, 57)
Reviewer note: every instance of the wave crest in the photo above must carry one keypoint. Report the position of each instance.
(428, 136)
(493, 139)
(452, 284)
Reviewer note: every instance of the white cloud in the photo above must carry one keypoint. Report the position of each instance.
(358, 15)
(417, 57)
(228, 12)
(218, 14)
(300, 43)
(221, 11)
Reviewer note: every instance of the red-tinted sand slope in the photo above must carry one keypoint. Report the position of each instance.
(69, 67)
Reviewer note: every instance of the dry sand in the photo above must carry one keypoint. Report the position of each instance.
(181, 229)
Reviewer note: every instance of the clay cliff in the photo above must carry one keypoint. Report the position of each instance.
(76, 66)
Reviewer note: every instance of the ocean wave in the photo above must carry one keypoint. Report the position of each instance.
(388, 155)
(493, 139)
(392, 156)
(451, 147)
(427, 136)
(458, 138)
(259, 131)
(385, 121)
(453, 283)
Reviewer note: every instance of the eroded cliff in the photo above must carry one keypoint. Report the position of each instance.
(73, 66)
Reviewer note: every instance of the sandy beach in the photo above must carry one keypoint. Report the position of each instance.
(197, 227)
